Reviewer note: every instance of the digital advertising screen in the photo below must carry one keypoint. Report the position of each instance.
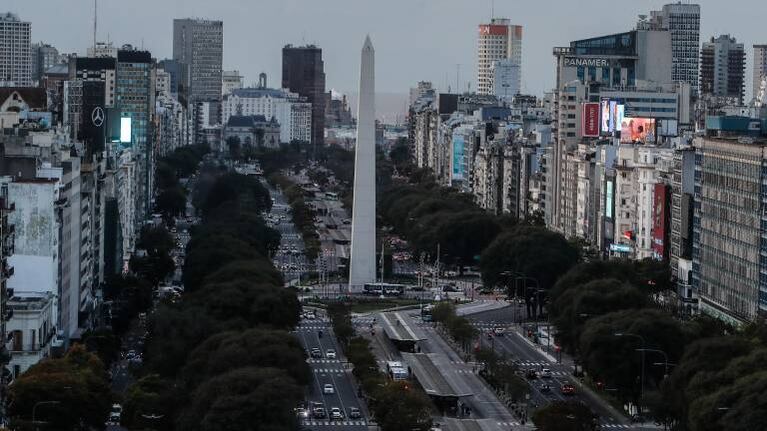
(458, 149)
(620, 113)
(605, 116)
(638, 130)
(590, 120)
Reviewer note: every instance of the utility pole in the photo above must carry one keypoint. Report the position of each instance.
(95, 21)
(435, 274)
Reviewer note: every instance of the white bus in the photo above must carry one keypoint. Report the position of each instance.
(396, 370)
(386, 289)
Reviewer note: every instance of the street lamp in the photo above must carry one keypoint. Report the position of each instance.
(665, 358)
(642, 351)
(40, 403)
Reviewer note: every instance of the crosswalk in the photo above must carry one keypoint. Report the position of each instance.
(614, 426)
(508, 424)
(338, 371)
(312, 327)
(314, 423)
(323, 361)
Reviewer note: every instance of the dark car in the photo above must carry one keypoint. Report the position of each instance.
(316, 353)
(354, 413)
(319, 413)
(531, 374)
(568, 389)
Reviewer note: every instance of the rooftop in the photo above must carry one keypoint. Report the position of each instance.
(30, 301)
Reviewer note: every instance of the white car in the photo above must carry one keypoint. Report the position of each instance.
(328, 389)
(546, 373)
(330, 354)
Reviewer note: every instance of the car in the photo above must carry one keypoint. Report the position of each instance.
(319, 413)
(328, 389)
(498, 331)
(315, 353)
(336, 413)
(302, 413)
(531, 374)
(310, 315)
(568, 389)
(354, 413)
(113, 419)
(545, 387)
(330, 354)
(546, 373)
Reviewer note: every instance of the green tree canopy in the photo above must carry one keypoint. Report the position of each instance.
(399, 407)
(565, 416)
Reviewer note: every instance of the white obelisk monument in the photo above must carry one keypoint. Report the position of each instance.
(363, 254)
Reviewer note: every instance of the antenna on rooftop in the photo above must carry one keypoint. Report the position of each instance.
(95, 23)
(492, 9)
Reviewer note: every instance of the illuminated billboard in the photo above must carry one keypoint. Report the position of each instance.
(590, 120)
(458, 150)
(612, 113)
(605, 116)
(609, 200)
(125, 130)
(660, 222)
(638, 130)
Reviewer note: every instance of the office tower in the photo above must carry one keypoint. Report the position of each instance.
(199, 45)
(723, 68)
(760, 67)
(303, 72)
(135, 98)
(728, 232)
(43, 57)
(173, 69)
(506, 82)
(498, 40)
(15, 64)
(362, 268)
(683, 22)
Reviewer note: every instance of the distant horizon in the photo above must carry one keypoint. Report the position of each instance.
(415, 40)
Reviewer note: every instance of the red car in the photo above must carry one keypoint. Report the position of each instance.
(568, 389)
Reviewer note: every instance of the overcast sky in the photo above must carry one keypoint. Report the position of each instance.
(414, 39)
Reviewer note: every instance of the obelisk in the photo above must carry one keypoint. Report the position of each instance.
(363, 255)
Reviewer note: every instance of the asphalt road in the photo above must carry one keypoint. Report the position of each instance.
(329, 371)
(536, 357)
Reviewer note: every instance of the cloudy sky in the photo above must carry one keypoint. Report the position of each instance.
(414, 39)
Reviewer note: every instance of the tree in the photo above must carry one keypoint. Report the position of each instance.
(151, 396)
(572, 309)
(244, 399)
(443, 312)
(615, 360)
(565, 416)
(535, 252)
(252, 348)
(153, 268)
(234, 146)
(204, 258)
(399, 407)
(77, 382)
(103, 343)
(171, 202)
(130, 296)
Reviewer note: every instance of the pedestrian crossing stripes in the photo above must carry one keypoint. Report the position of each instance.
(614, 426)
(328, 370)
(508, 424)
(333, 423)
(323, 361)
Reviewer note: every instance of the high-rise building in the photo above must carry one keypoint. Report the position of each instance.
(723, 68)
(728, 231)
(15, 61)
(683, 22)
(43, 58)
(760, 67)
(498, 40)
(506, 82)
(303, 72)
(199, 45)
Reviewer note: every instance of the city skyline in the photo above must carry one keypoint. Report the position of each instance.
(446, 56)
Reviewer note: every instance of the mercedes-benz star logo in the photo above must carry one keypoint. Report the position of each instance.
(97, 116)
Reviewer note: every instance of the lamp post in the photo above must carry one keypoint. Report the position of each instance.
(34, 410)
(641, 376)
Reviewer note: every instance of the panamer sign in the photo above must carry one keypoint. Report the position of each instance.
(587, 62)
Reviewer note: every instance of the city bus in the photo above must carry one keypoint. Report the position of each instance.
(386, 289)
(396, 370)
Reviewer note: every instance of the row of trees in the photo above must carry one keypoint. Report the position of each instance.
(222, 357)
(691, 375)
(181, 163)
(396, 405)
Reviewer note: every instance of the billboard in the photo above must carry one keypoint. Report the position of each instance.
(609, 200)
(125, 130)
(605, 108)
(590, 120)
(458, 151)
(495, 30)
(612, 112)
(638, 130)
(660, 222)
